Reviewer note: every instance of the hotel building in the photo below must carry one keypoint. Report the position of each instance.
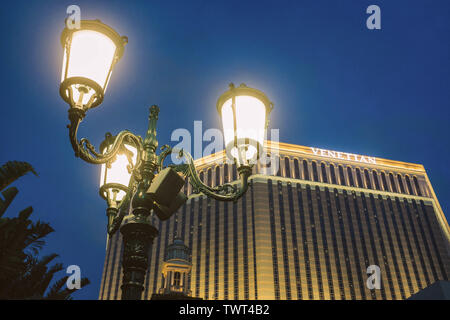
(307, 228)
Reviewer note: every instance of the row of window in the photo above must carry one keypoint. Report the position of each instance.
(408, 237)
(353, 177)
(310, 170)
(340, 205)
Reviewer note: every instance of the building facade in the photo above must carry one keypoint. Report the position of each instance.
(310, 225)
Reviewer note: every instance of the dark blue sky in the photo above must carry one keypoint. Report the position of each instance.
(335, 84)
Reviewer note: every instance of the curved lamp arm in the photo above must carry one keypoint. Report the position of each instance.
(225, 192)
(86, 151)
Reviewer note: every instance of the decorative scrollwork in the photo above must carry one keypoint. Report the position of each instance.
(147, 164)
(165, 151)
(86, 151)
(225, 192)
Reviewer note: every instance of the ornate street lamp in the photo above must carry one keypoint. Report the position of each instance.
(90, 54)
(245, 112)
(133, 177)
(115, 178)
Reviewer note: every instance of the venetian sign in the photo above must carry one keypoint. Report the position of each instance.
(343, 155)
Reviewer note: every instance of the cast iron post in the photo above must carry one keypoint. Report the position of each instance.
(138, 232)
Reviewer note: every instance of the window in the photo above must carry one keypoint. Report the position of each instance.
(350, 176)
(307, 269)
(177, 279)
(408, 184)
(333, 174)
(341, 176)
(217, 176)
(305, 170)
(315, 174)
(209, 174)
(287, 168)
(296, 169)
(368, 183)
(416, 183)
(225, 173)
(400, 183)
(273, 240)
(324, 173)
(375, 180)
(394, 187)
(201, 176)
(383, 179)
(358, 177)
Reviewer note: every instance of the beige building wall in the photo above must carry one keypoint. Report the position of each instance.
(306, 231)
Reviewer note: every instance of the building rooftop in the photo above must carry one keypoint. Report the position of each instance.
(321, 154)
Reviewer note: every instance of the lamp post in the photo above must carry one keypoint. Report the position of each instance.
(133, 176)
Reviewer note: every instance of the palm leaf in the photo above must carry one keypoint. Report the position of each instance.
(9, 195)
(12, 170)
(57, 292)
(22, 274)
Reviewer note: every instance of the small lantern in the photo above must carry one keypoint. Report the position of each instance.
(115, 175)
(90, 54)
(245, 112)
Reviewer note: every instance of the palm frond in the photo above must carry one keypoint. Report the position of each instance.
(56, 288)
(57, 293)
(34, 240)
(12, 170)
(9, 195)
(47, 278)
(22, 274)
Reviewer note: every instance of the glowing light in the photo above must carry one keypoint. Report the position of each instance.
(244, 113)
(91, 56)
(117, 173)
(250, 123)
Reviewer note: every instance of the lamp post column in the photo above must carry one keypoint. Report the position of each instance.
(137, 240)
(138, 233)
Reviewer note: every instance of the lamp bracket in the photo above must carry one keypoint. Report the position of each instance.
(224, 192)
(86, 151)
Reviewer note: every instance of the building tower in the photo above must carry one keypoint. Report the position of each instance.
(175, 270)
(311, 224)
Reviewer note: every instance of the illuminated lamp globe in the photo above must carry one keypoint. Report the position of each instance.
(115, 175)
(90, 54)
(244, 112)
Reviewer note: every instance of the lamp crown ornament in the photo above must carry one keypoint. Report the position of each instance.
(154, 111)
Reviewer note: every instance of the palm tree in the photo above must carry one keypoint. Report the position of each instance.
(22, 274)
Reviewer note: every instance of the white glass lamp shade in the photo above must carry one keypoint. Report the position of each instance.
(90, 54)
(114, 179)
(244, 113)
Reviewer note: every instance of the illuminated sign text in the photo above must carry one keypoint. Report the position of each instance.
(343, 155)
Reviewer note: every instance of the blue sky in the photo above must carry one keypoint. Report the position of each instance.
(335, 84)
